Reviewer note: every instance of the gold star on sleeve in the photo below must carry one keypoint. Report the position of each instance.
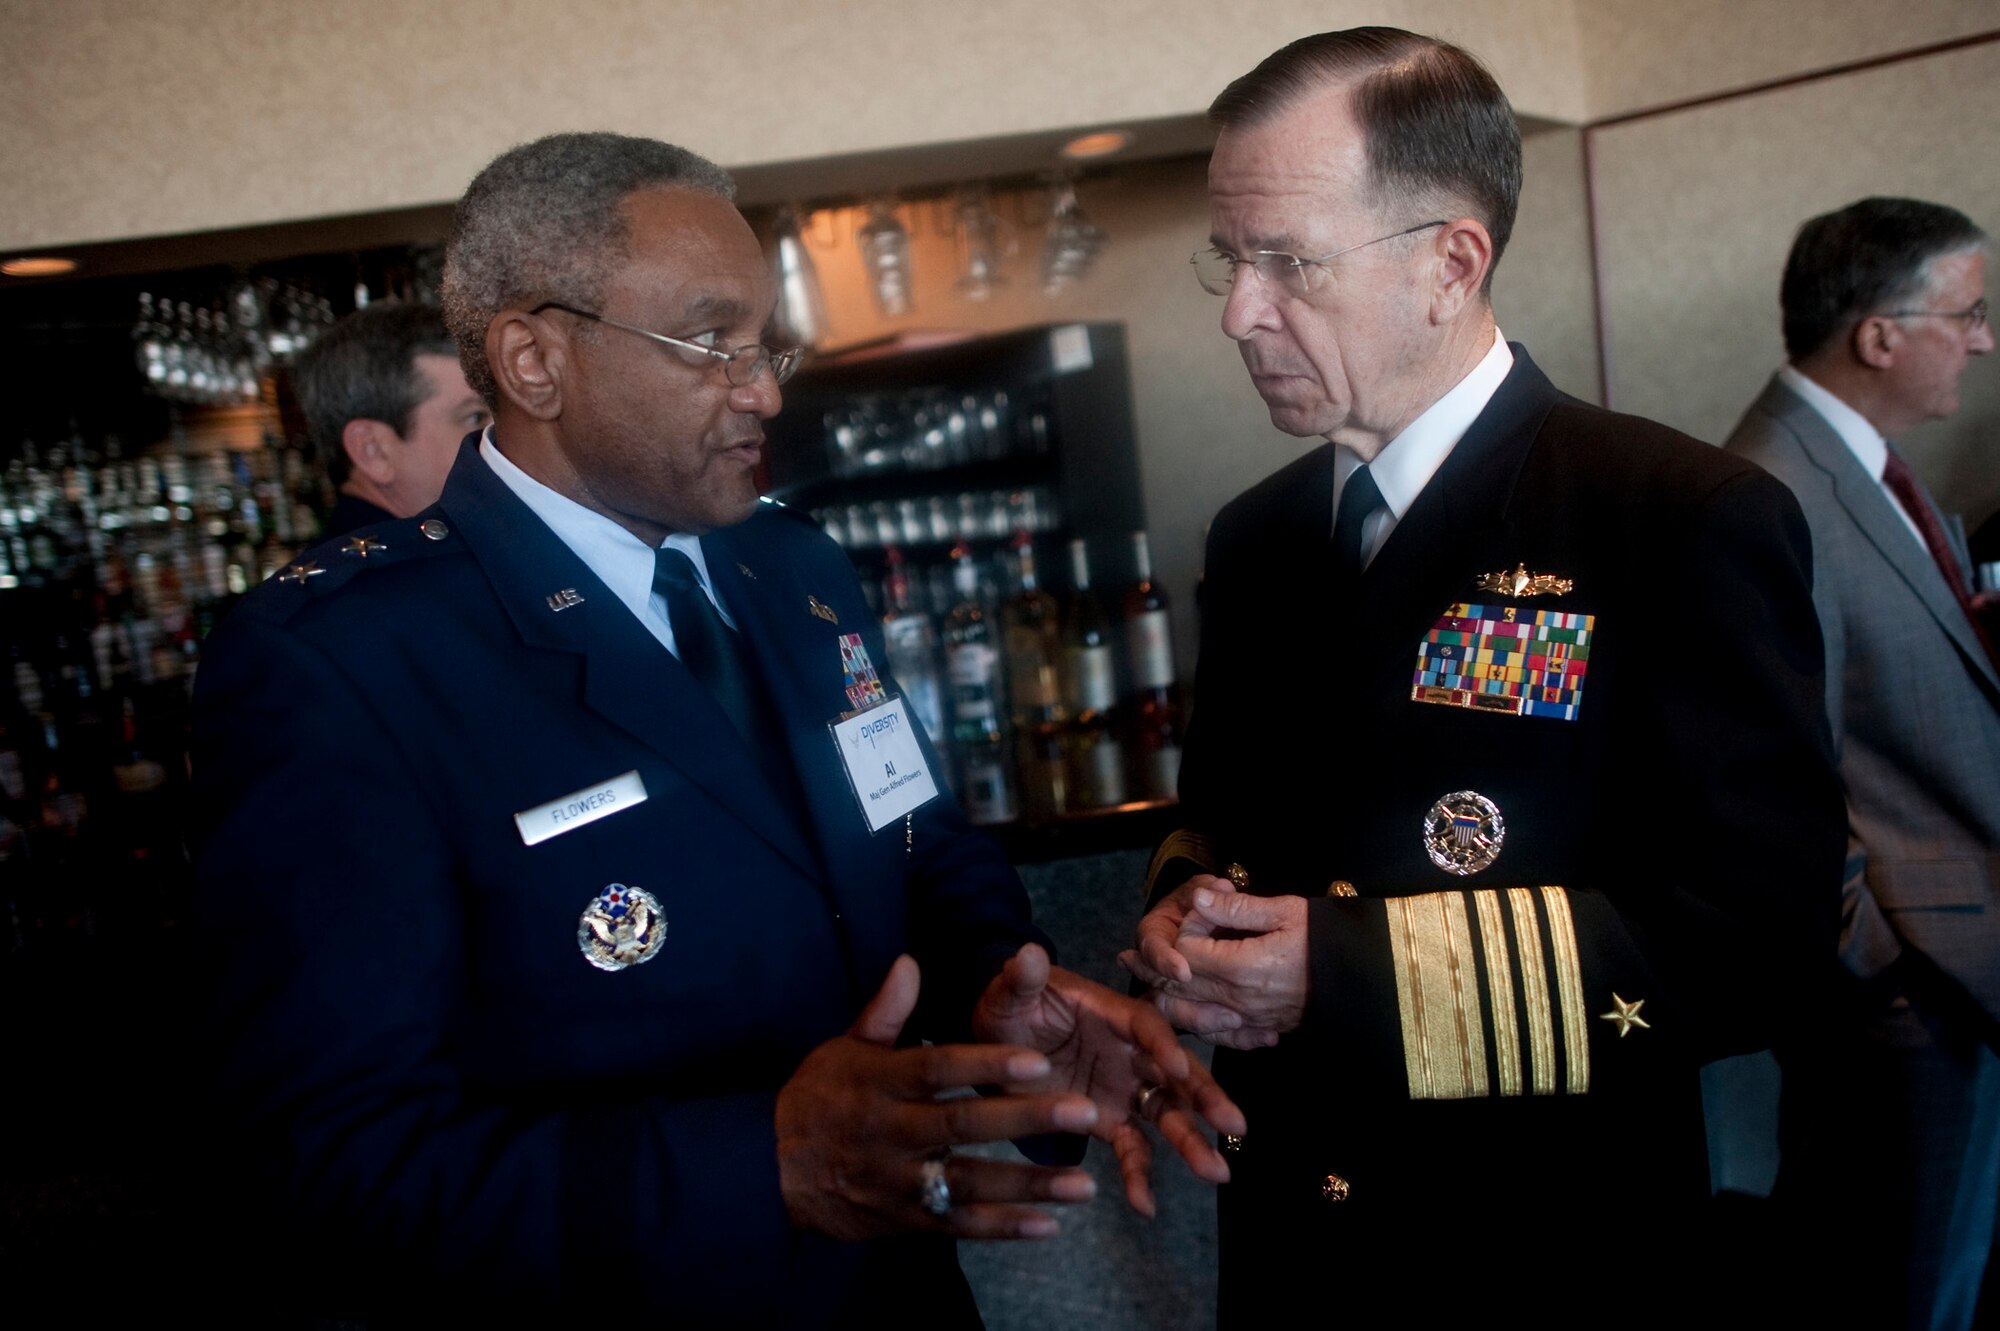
(1625, 1016)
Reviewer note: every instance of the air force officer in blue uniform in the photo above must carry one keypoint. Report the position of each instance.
(560, 966)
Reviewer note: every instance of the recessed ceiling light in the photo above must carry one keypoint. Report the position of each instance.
(1103, 143)
(38, 266)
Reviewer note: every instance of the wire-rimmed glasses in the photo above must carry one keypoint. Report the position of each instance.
(1216, 269)
(740, 366)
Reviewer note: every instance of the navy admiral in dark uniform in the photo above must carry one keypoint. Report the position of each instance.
(565, 859)
(1508, 793)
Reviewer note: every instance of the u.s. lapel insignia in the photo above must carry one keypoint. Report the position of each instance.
(1520, 582)
(857, 673)
(822, 609)
(1625, 1016)
(622, 926)
(1463, 832)
(300, 572)
(744, 569)
(363, 546)
(564, 599)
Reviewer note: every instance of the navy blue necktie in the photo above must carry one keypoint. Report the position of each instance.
(1358, 498)
(709, 648)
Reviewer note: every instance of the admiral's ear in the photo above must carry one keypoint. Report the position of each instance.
(528, 355)
(1463, 252)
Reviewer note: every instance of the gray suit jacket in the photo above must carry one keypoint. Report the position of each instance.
(1915, 706)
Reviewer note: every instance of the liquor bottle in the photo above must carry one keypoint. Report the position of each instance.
(972, 664)
(1090, 689)
(913, 651)
(1031, 624)
(1155, 718)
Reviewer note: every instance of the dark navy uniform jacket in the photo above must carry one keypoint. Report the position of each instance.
(447, 1101)
(1462, 1126)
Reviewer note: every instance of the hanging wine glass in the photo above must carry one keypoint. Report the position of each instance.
(981, 247)
(800, 319)
(885, 255)
(1073, 241)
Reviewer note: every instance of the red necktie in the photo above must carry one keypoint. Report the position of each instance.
(1902, 483)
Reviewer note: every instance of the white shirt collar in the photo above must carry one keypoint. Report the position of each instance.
(622, 561)
(1406, 463)
(1861, 438)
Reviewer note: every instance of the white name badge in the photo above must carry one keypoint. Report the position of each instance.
(884, 763)
(579, 808)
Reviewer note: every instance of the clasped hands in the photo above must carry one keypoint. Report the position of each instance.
(1226, 965)
(859, 1119)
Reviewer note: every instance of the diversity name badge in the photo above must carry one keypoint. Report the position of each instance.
(857, 674)
(1503, 658)
(884, 763)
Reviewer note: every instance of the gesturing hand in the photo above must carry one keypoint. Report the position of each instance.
(860, 1117)
(1108, 1047)
(1226, 965)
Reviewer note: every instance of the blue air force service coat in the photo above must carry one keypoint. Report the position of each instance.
(418, 1063)
(1554, 775)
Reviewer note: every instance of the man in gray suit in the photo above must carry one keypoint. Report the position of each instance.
(1890, 1122)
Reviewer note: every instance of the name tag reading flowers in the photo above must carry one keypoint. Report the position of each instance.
(884, 763)
(580, 808)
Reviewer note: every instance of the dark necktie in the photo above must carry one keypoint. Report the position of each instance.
(1358, 498)
(709, 648)
(1902, 483)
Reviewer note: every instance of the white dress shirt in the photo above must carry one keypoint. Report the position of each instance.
(1861, 437)
(1406, 463)
(622, 561)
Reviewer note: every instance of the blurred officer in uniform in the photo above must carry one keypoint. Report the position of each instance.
(1507, 793)
(386, 404)
(1890, 1117)
(570, 943)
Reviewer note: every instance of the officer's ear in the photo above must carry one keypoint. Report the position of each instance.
(1462, 251)
(366, 444)
(528, 354)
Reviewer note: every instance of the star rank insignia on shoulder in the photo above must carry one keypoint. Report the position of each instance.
(300, 572)
(1625, 1016)
(362, 546)
(1520, 582)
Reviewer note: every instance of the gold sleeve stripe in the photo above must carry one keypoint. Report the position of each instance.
(1534, 993)
(1569, 986)
(1182, 845)
(1437, 997)
(1500, 992)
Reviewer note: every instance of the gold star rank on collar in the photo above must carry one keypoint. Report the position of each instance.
(300, 572)
(1625, 1016)
(363, 546)
(1520, 582)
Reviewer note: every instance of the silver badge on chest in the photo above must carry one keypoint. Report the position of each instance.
(1463, 832)
(621, 927)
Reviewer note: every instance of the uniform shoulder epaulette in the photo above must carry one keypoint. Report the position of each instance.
(325, 568)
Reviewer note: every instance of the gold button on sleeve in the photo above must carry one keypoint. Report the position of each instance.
(1334, 1188)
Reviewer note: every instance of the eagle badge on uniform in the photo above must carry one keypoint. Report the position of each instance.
(1463, 832)
(621, 927)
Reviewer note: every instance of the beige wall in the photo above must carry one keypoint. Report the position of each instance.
(146, 117)
(1699, 208)
(1647, 53)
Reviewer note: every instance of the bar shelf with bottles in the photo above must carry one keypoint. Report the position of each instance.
(112, 572)
(977, 486)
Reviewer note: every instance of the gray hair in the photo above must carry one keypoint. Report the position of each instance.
(1439, 130)
(1868, 256)
(542, 222)
(364, 368)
